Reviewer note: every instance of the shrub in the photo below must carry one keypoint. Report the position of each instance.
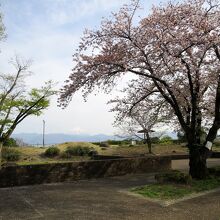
(173, 176)
(155, 140)
(104, 144)
(73, 151)
(10, 154)
(92, 153)
(52, 152)
(128, 141)
(78, 151)
(10, 142)
(166, 140)
(65, 155)
(214, 171)
(114, 142)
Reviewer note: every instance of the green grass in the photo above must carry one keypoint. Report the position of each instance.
(176, 191)
(208, 184)
(164, 192)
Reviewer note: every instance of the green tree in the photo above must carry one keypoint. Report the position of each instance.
(10, 142)
(16, 103)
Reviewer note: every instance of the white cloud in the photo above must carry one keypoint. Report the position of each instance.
(65, 11)
(47, 31)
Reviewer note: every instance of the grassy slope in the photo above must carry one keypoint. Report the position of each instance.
(34, 154)
(63, 146)
(137, 150)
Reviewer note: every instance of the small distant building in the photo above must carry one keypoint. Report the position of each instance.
(133, 142)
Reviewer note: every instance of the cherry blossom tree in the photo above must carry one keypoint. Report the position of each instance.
(176, 49)
(135, 115)
(138, 122)
(130, 127)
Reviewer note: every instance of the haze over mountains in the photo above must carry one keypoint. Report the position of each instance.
(37, 139)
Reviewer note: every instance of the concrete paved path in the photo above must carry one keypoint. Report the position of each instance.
(100, 199)
(184, 164)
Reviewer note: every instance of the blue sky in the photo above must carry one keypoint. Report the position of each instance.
(47, 32)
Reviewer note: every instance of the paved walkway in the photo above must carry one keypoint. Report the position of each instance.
(101, 199)
(184, 164)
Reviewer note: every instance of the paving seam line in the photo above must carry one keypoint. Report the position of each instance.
(29, 203)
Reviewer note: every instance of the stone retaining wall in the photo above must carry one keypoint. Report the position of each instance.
(60, 172)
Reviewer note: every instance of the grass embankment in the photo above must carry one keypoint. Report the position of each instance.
(157, 149)
(63, 146)
(35, 155)
(160, 149)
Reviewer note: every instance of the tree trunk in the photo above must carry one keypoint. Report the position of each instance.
(1, 144)
(197, 161)
(149, 143)
(198, 153)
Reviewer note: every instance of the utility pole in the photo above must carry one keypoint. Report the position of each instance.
(43, 132)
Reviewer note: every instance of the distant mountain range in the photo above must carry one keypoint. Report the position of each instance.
(37, 139)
